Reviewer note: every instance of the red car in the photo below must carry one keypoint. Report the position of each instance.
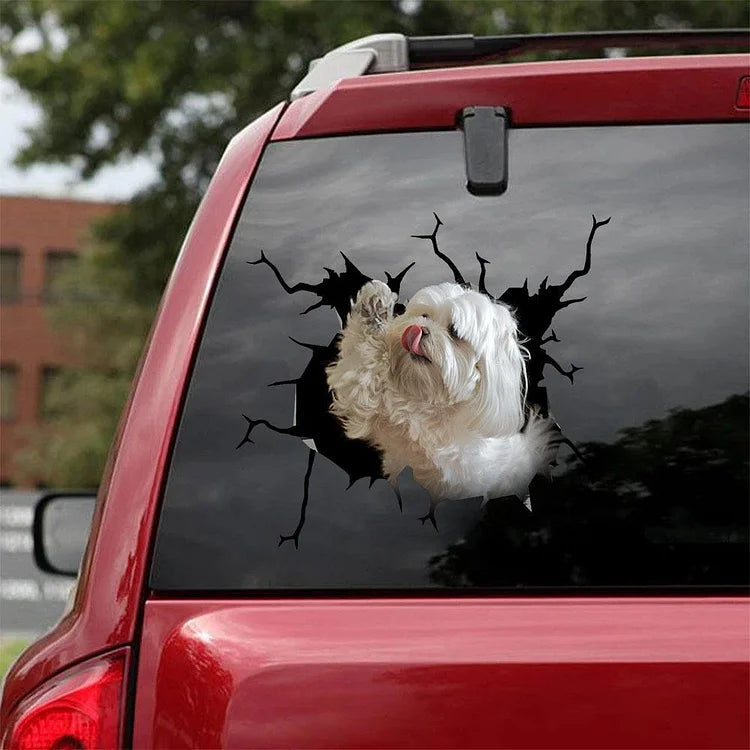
(263, 571)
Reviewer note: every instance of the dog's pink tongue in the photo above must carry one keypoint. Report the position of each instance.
(410, 339)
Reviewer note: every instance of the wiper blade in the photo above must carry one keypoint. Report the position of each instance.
(431, 50)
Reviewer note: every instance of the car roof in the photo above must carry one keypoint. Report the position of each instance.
(392, 52)
(609, 91)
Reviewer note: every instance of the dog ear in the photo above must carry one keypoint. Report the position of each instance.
(502, 372)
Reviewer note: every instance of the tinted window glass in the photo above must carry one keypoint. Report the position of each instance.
(646, 374)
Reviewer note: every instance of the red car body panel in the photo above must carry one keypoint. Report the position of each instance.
(579, 92)
(444, 673)
(488, 672)
(110, 589)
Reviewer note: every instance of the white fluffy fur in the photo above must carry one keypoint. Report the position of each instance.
(456, 415)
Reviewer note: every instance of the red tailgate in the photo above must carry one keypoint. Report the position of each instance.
(444, 673)
(460, 672)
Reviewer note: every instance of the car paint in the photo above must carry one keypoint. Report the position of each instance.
(453, 672)
(579, 92)
(110, 589)
(469, 679)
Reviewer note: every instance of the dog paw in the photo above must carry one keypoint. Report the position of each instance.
(375, 302)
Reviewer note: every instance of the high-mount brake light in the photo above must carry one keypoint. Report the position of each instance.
(80, 709)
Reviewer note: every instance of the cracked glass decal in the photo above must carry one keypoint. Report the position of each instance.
(640, 391)
(446, 385)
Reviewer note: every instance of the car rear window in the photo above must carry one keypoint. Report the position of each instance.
(633, 359)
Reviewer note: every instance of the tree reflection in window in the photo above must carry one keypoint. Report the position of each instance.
(666, 501)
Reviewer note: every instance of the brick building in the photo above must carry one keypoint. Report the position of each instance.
(38, 238)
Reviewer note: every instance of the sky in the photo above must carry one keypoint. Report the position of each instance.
(118, 182)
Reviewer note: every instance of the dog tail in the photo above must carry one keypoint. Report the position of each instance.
(542, 440)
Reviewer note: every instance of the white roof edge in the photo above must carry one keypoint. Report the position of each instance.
(377, 53)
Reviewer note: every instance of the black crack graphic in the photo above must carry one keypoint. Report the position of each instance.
(314, 421)
(322, 432)
(458, 278)
(534, 312)
(294, 536)
(336, 290)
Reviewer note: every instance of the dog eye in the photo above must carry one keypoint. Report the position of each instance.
(453, 333)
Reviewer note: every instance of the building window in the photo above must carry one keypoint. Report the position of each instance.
(8, 392)
(56, 263)
(10, 275)
(49, 408)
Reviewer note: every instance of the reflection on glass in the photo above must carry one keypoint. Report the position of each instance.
(65, 531)
(661, 503)
(664, 327)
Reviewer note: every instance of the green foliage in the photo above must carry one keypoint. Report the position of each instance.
(105, 326)
(175, 81)
(10, 650)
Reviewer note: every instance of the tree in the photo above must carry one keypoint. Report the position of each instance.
(175, 81)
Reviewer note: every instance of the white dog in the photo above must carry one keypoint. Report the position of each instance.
(441, 389)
